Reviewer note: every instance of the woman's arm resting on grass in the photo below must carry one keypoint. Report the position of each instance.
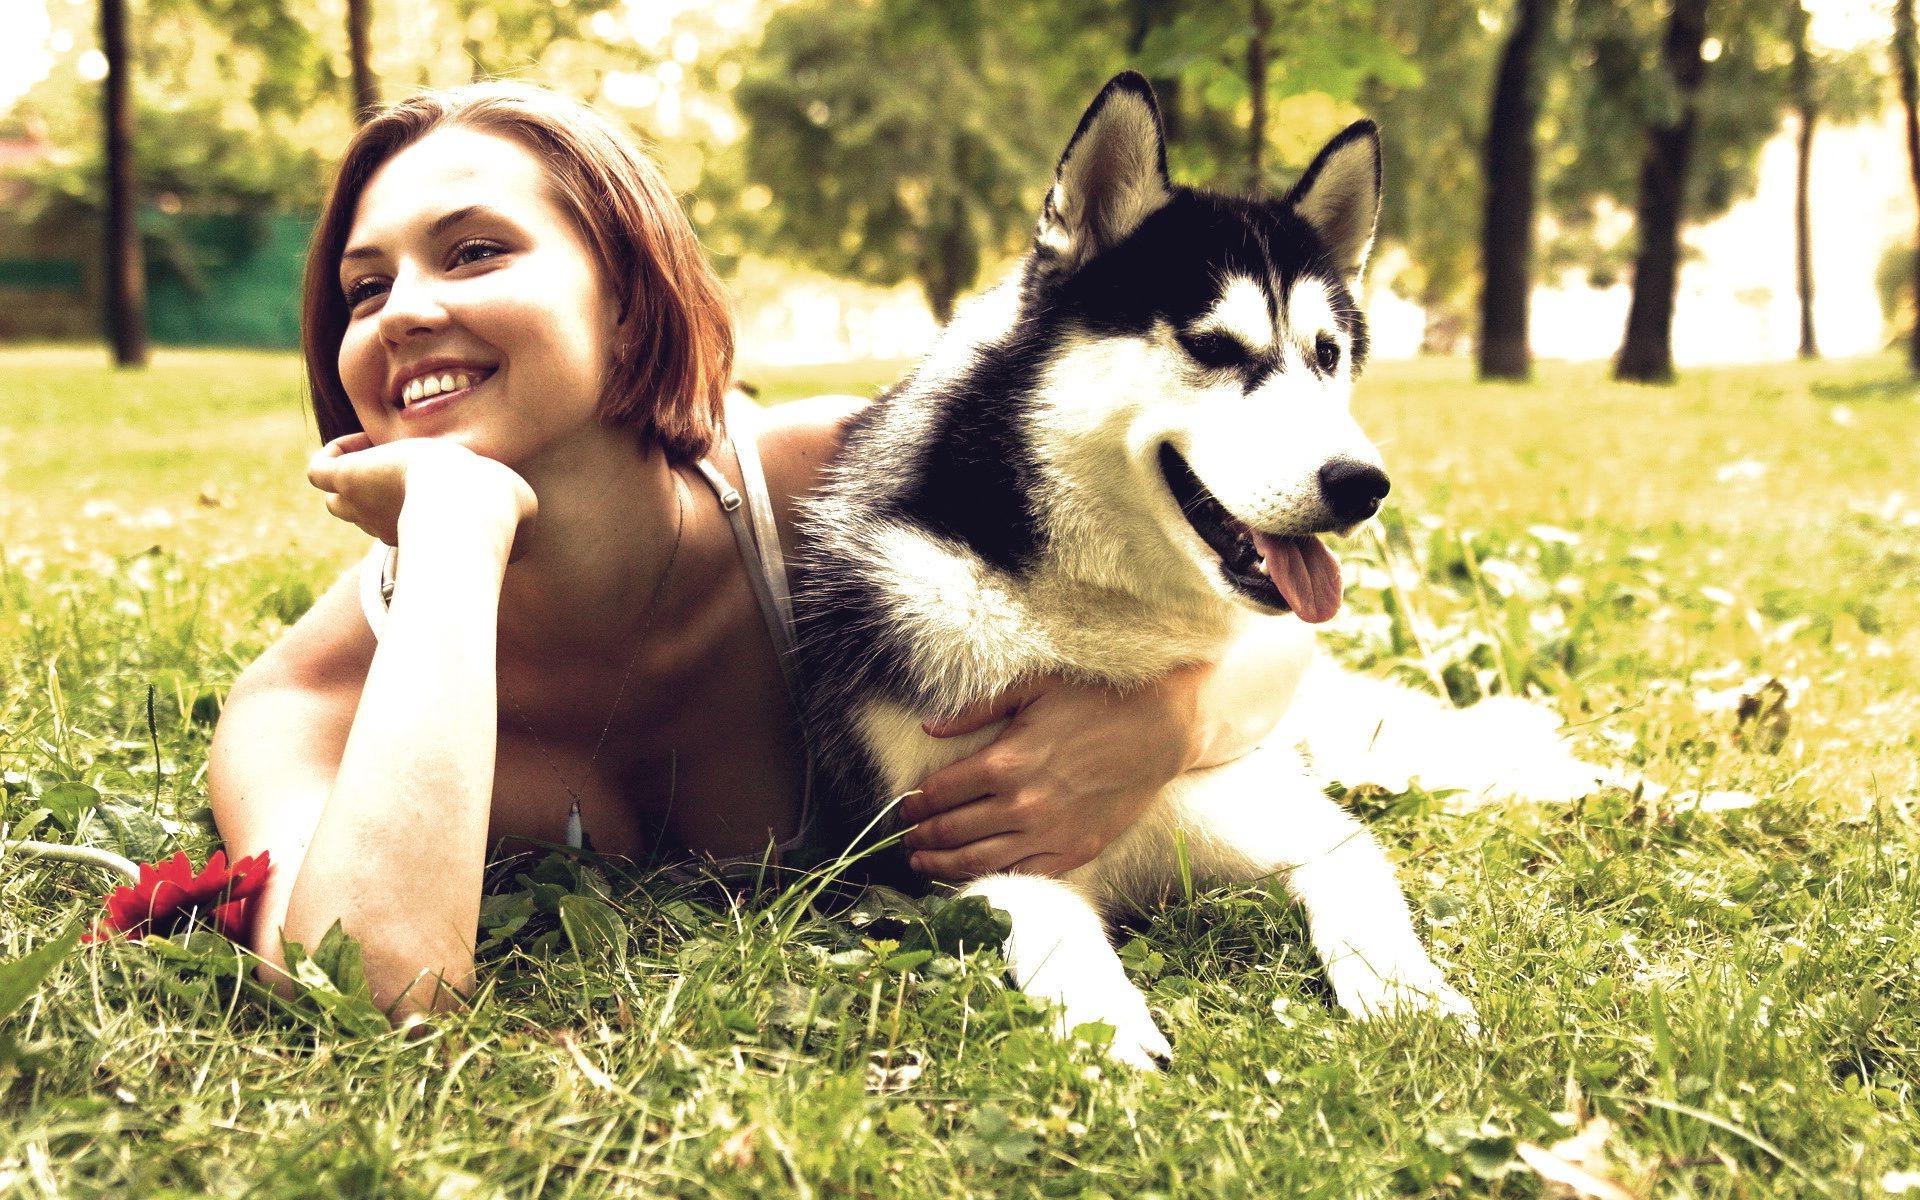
(374, 799)
(1077, 764)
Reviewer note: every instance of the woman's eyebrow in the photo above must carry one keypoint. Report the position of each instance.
(440, 225)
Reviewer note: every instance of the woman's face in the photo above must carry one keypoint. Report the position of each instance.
(475, 309)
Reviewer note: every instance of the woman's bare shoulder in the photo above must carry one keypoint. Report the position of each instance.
(797, 440)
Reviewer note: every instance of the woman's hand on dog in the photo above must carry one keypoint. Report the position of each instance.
(380, 488)
(1074, 767)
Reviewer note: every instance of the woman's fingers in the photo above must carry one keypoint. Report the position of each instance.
(320, 467)
(987, 817)
(982, 713)
(348, 443)
(975, 858)
(963, 782)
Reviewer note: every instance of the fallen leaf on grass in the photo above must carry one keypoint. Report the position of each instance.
(1576, 1166)
(1762, 720)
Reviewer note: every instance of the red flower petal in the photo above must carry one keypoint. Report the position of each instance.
(171, 891)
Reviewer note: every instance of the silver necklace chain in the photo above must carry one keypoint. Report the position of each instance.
(574, 837)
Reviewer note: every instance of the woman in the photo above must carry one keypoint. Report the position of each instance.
(518, 357)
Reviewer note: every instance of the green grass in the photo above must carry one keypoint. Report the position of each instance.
(1734, 987)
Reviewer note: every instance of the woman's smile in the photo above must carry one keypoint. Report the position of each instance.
(433, 387)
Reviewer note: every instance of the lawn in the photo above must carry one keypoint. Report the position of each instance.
(1712, 988)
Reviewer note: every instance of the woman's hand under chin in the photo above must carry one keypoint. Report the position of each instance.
(1074, 767)
(381, 488)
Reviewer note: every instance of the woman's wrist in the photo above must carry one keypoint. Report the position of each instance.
(464, 500)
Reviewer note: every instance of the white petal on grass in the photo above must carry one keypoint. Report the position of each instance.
(1553, 535)
(1720, 596)
(1569, 1179)
(1724, 800)
(1742, 470)
(1899, 1183)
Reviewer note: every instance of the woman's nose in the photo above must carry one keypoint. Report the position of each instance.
(412, 307)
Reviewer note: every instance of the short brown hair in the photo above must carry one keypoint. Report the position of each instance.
(674, 356)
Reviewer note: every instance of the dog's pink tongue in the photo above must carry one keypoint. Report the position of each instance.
(1305, 573)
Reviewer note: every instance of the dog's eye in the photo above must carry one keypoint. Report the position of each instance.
(1214, 350)
(1326, 352)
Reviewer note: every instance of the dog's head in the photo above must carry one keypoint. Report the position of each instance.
(1197, 403)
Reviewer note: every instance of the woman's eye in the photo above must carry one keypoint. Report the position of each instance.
(362, 290)
(1213, 350)
(1327, 352)
(474, 251)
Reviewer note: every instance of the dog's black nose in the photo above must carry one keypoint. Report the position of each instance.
(1353, 490)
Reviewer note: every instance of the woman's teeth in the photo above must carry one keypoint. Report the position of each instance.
(427, 386)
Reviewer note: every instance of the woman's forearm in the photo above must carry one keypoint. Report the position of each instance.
(398, 853)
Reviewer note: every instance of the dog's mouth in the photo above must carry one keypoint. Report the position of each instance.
(1278, 571)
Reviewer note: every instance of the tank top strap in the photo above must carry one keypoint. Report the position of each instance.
(758, 537)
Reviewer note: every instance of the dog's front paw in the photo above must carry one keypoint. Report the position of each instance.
(1137, 1040)
(1408, 987)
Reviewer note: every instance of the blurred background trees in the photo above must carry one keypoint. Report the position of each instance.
(902, 141)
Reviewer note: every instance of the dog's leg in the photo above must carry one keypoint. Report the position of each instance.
(1263, 815)
(1361, 730)
(1059, 951)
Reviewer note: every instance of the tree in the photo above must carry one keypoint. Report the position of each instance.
(1903, 57)
(1806, 108)
(1647, 354)
(1837, 86)
(1431, 136)
(1641, 121)
(1506, 244)
(900, 141)
(126, 269)
(366, 88)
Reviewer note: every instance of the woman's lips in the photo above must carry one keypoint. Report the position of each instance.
(438, 389)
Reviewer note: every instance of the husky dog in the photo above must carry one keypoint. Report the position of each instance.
(1104, 469)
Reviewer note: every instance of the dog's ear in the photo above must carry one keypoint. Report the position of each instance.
(1340, 195)
(1112, 176)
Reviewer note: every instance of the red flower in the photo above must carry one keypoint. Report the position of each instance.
(170, 894)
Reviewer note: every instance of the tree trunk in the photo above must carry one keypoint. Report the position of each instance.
(126, 272)
(1257, 89)
(366, 88)
(1647, 354)
(1903, 54)
(1806, 107)
(950, 259)
(1506, 241)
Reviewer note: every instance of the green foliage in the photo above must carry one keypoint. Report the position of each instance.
(19, 978)
(899, 141)
(1431, 132)
(1597, 112)
(1331, 50)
